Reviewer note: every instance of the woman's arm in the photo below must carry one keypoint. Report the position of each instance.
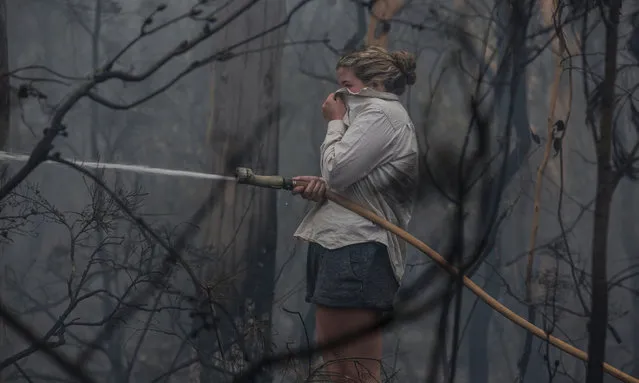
(350, 154)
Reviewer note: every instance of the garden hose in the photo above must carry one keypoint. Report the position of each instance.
(246, 176)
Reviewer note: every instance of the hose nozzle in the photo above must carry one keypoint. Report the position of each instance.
(247, 177)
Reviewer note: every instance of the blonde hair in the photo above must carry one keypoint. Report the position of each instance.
(376, 66)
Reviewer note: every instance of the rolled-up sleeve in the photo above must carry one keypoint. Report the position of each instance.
(350, 154)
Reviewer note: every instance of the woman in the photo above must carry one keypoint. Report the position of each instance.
(370, 156)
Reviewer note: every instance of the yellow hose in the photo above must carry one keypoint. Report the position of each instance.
(492, 302)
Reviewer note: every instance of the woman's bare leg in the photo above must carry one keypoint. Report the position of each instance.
(356, 361)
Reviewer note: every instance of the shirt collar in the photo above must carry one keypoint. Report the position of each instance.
(369, 92)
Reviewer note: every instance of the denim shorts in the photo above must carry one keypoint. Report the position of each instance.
(353, 276)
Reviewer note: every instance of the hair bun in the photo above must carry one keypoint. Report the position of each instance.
(407, 64)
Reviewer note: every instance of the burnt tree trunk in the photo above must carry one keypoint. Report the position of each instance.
(606, 183)
(4, 81)
(4, 120)
(512, 113)
(627, 237)
(241, 230)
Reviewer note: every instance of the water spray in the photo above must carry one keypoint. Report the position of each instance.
(142, 169)
(247, 177)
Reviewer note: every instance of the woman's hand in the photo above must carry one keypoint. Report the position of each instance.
(333, 109)
(315, 189)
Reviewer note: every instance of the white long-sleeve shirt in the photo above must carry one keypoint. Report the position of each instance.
(370, 157)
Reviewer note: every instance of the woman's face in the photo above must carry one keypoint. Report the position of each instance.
(347, 79)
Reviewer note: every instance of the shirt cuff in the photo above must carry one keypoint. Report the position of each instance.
(336, 126)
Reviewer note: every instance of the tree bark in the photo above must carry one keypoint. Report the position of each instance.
(4, 121)
(511, 112)
(241, 230)
(606, 183)
(535, 289)
(627, 237)
(378, 27)
(4, 81)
